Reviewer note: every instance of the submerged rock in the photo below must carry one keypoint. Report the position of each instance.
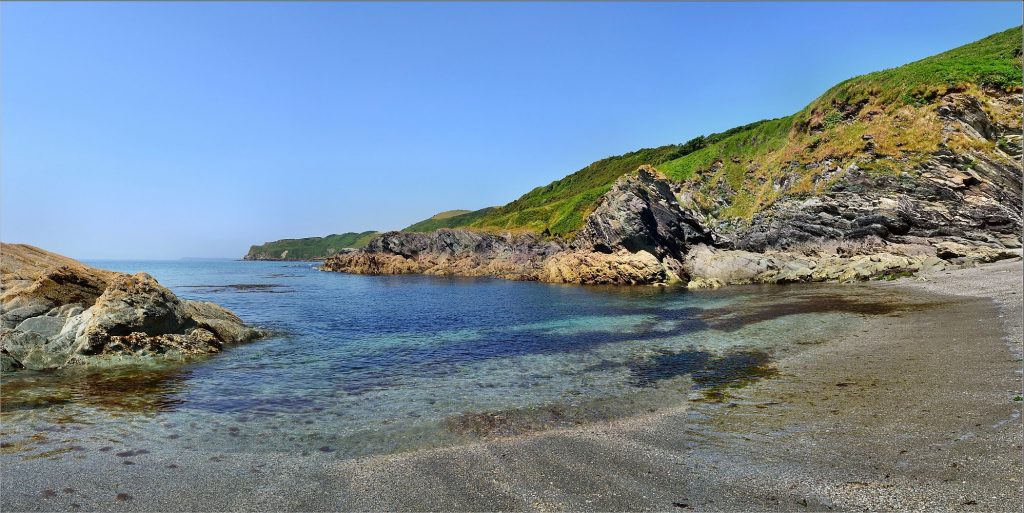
(75, 314)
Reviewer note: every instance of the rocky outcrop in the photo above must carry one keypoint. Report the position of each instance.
(449, 252)
(641, 214)
(712, 268)
(971, 197)
(57, 312)
(638, 234)
(954, 208)
(595, 268)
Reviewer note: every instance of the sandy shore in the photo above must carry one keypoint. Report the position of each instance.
(912, 410)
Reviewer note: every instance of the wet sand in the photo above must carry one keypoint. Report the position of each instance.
(910, 410)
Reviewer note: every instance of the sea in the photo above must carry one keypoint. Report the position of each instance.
(358, 366)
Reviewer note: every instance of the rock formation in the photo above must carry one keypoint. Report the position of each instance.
(638, 234)
(953, 209)
(450, 252)
(57, 311)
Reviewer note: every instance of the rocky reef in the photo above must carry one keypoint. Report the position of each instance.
(954, 208)
(58, 312)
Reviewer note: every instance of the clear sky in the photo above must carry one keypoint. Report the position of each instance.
(165, 129)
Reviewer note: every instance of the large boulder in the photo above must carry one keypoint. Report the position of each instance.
(74, 314)
(595, 268)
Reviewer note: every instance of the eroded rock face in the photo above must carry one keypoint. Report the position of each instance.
(953, 209)
(90, 316)
(970, 198)
(638, 234)
(449, 252)
(641, 213)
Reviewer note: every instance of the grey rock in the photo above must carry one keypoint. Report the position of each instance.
(11, 318)
(44, 325)
(8, 363)
(101, 317)
(641, 213)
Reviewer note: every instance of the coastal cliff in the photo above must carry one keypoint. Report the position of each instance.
(912, 168)
(640, 234)
(58, 312)
(309, 248)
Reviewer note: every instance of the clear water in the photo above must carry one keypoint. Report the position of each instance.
(364, 365)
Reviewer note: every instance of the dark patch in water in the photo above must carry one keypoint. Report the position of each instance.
(126, 388)
(521, 421)
(666, 365)
(731, 319)
(706, 369)
(239, 287)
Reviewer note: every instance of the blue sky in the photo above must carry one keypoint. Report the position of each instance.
(163, 130)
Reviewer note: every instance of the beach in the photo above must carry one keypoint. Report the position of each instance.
(910, 410)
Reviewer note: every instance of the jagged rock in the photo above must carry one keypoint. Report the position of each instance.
(952, 209)
(976, 198)
(638, 234)
(93, 316)
(641, 213)
(449, 252)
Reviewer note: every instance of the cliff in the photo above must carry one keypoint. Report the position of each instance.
(883, 175)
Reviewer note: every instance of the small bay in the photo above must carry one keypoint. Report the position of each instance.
(364, 365)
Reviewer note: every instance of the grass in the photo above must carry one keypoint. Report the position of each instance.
(560, 207)
(463, 218)
(883, 121)
(992, 62)
(311, 248)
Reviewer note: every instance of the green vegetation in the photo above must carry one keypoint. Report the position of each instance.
(883, 122)
(310, 248)
(560, 207)
(867, 121)
(449, 213)
(448, 219)
(992, 62)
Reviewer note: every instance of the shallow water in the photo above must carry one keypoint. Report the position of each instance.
(365, 365)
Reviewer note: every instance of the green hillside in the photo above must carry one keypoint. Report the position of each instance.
(447, 219)
(310, 248)
(893, 109)
(883, 121)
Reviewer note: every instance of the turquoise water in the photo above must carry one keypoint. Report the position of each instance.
(363, 365)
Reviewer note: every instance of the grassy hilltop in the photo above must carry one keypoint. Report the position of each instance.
(884, 122)
(310, 248)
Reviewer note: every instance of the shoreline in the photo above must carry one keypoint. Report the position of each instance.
(846, 426)
(897, 413)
